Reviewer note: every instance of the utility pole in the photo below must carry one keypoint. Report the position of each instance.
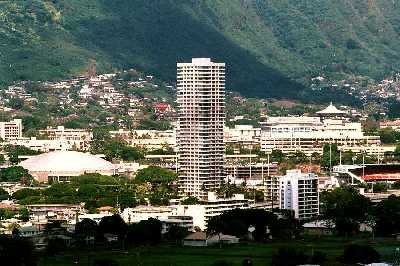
(363, 161)
(250, 162)
(262, 171)
(176, 163)
(330, 158)
(272, 192)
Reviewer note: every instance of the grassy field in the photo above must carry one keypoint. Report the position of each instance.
(261, 254)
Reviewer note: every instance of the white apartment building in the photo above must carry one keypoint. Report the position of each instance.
(299, 192)
(42, 145)
(11, 129)
(309, 134)
(213, 206)
(200, 131)
(79, 139)
(149, 139)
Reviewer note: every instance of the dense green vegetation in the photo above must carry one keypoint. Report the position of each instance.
(95, 190)
(15, 174)
(156, 175)
(14, 151)
(237, 222)
(228, 190)
(269, 46)
(346, 209)
(113, 148)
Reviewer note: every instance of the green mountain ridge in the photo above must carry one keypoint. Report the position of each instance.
(271, 47)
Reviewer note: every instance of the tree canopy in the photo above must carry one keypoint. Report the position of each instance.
(346, 208)
(237, 222)
(13, 151)
(86, 228)
(387, 216)
(113, 148)
(15, 174)
(330, 155)
(113, 225)
(94, 190)
(155, 175)
(389, 135)
(3, 194)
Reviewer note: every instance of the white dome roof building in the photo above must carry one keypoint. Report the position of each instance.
(62, 165)
(331, 110)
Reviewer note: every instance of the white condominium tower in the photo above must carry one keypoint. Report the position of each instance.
(200, 132)
(299, 192)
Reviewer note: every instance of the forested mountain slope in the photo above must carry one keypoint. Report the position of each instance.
(270, 46)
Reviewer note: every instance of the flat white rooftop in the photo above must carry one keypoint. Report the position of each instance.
(201, 60)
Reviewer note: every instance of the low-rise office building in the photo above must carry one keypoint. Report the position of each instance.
(42, 145)
(149, 139)
(245, 135)
(79, 139)
(213, 206)
(309, 134)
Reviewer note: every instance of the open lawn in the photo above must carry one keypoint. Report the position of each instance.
(261, 254)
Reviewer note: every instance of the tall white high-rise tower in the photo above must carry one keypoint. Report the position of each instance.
(200, 132)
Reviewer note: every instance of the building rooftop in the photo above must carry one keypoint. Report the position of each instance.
(331, 109)
(66, 161)
(201, 60)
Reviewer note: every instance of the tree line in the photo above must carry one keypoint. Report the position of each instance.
(152, 185)
(346, 209)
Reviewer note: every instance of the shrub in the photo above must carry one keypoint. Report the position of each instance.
(354, 253)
